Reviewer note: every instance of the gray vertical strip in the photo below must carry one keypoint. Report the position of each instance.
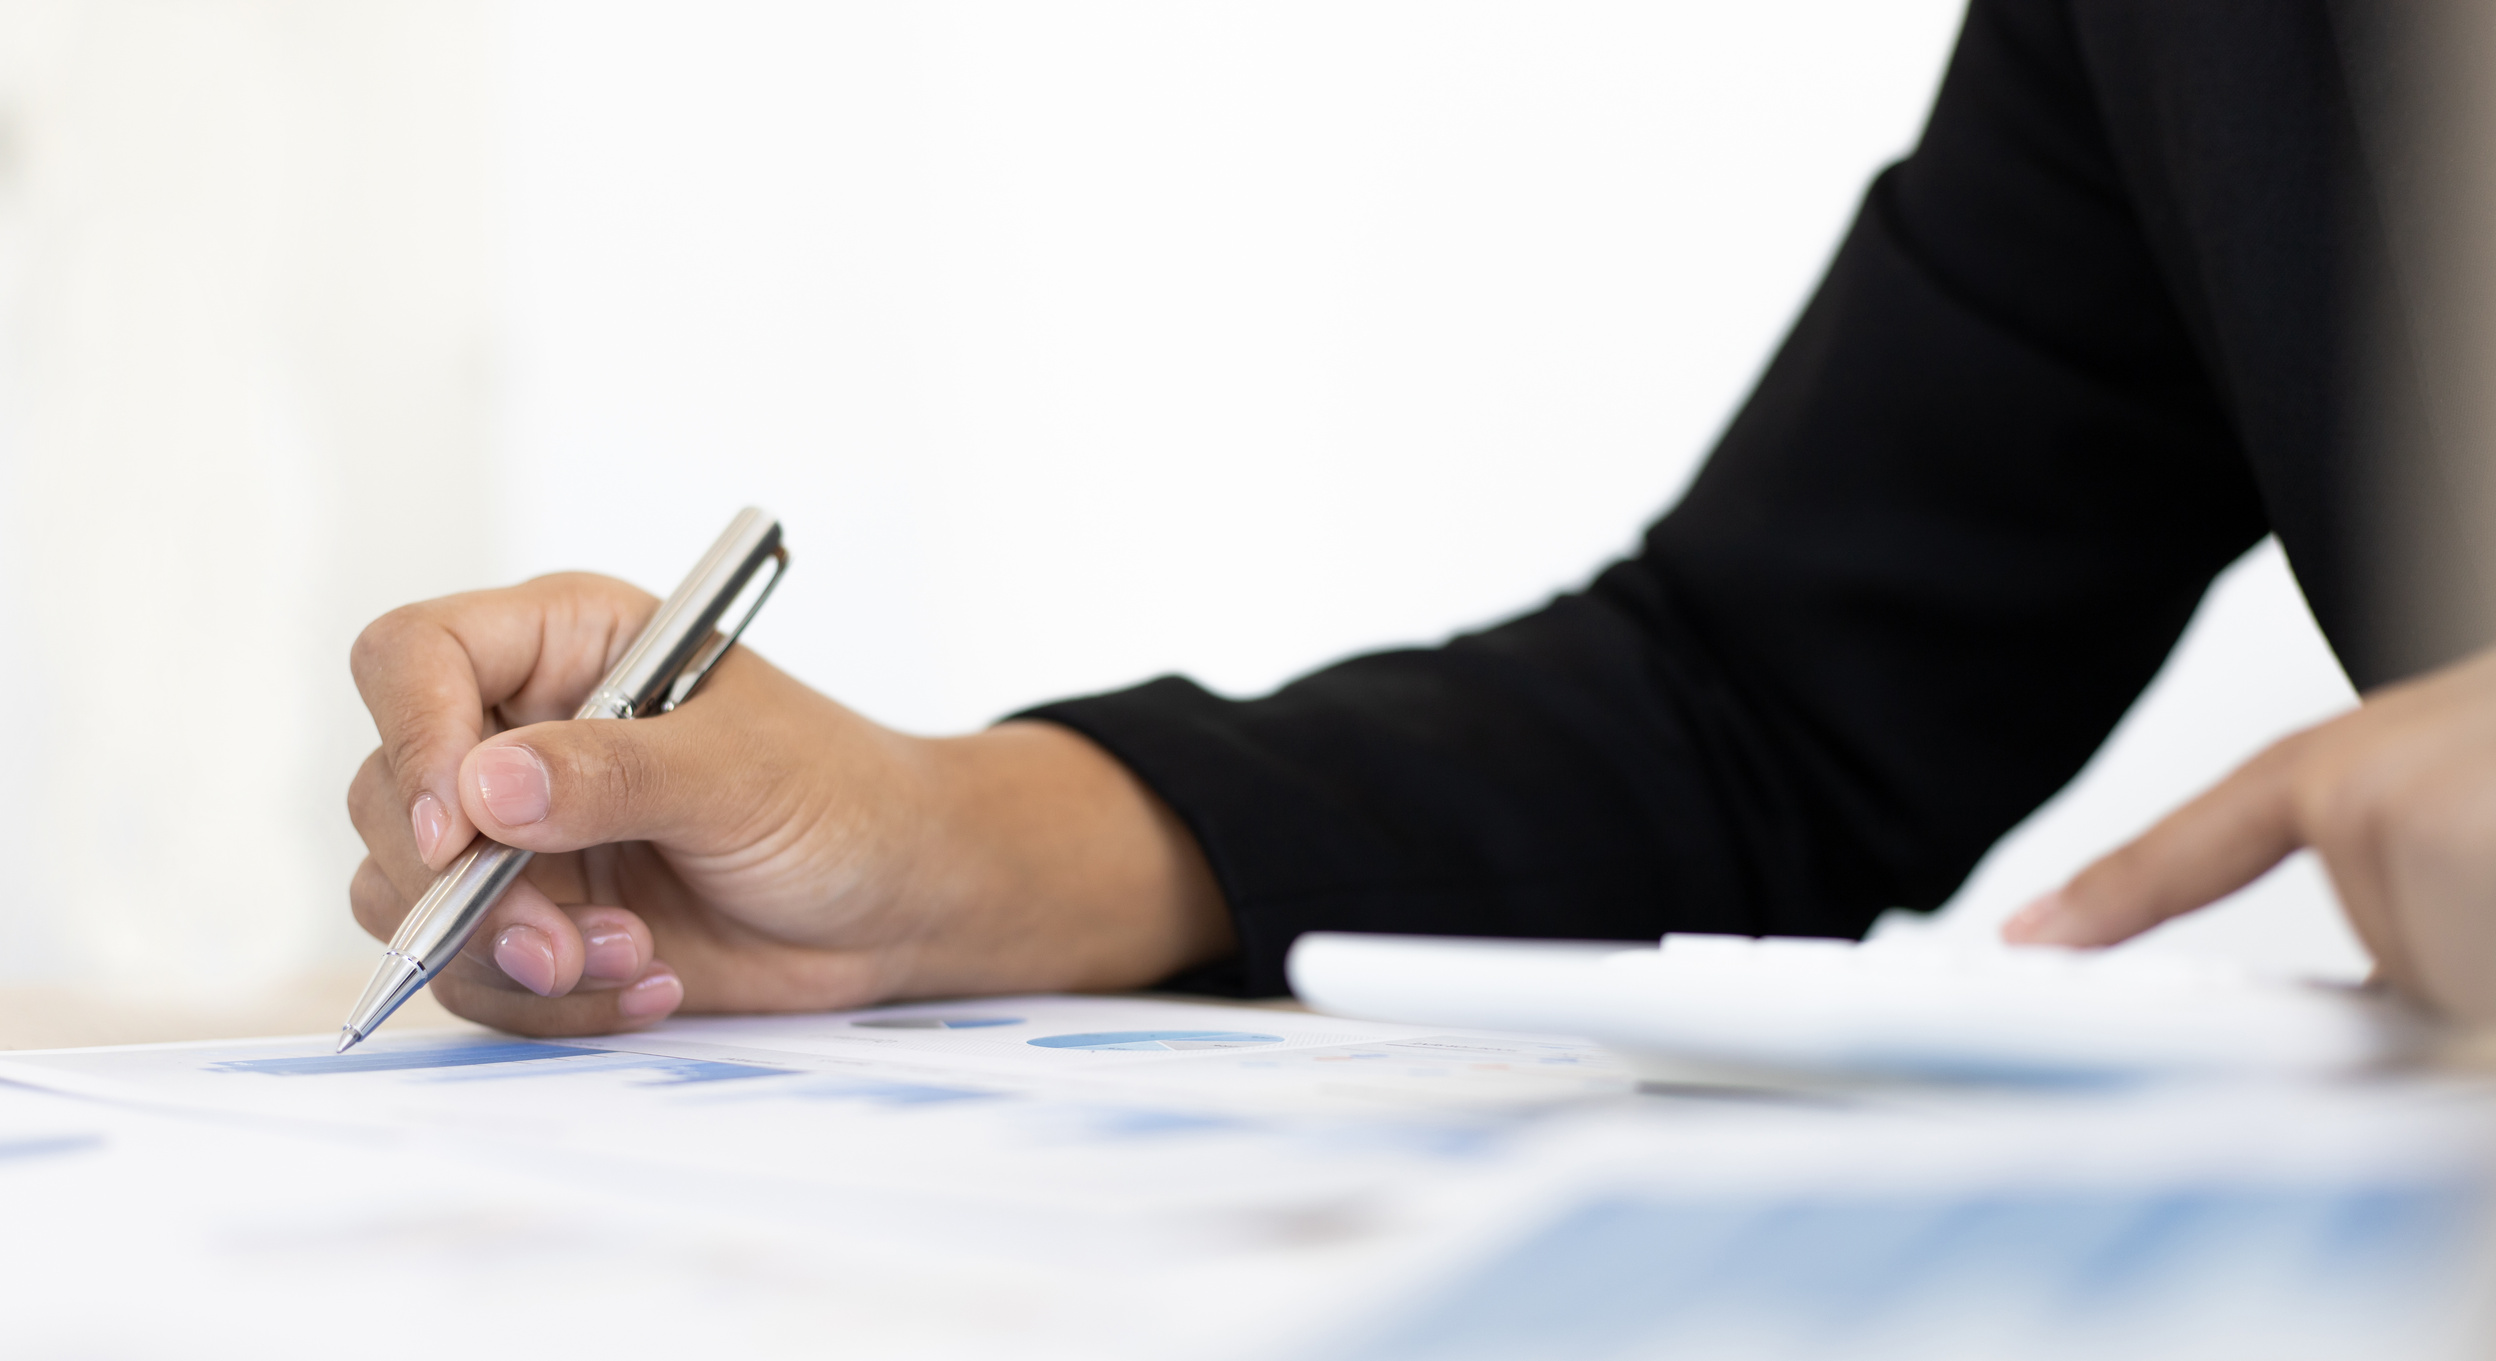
(2424, 351)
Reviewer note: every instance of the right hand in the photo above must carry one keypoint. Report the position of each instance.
(761, 848)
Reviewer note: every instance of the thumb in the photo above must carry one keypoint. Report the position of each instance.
(2225, 839)
(586, 782)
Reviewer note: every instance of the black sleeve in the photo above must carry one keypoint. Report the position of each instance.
(1946, 542)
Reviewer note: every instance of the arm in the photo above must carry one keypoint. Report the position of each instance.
(1950, 537)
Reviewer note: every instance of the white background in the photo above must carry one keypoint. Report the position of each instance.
(1074, 342)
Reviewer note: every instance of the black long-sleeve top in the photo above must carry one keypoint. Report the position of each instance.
(2077, 353)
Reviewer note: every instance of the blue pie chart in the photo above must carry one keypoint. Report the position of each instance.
(1158, 1039)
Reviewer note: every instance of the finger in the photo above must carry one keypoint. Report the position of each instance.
(2348, 790)
(467, 989)
(2225, 839)
(528, 942)
(2358, 880)
(373, 806)
(431, 673)
(2404, 833)
(688, 779)
(616, 947)
(377, 903)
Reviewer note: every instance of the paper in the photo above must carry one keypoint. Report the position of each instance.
(2270, 1224)
(177, 1237)
(1107, 1177)
(1055, 1124)
(1903, 1006)
(1110, 1178)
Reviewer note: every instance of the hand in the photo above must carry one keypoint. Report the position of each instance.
(2399, 799)
(759, 849)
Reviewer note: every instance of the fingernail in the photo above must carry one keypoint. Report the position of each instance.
(657, 994)
(526, 954)
(430, 823)
(611, 954)
(2027, 925)
(513, 783)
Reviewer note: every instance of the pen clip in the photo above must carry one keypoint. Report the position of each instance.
(699, 665)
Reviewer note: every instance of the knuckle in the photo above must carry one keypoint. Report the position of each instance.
(626, 774)
(401, 708)
(369, 781)
(382, 641)
(2336, 795)
(403, 750)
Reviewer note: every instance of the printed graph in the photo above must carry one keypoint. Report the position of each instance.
(1158, 1039)
(491, 1062)
(48, 1146)
(370, 1060)
(664, 1070)
(2064, 1273)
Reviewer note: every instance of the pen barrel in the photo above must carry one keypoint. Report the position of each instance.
(455, 906)
(694, 626)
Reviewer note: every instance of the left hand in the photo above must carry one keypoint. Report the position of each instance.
(2398, 797)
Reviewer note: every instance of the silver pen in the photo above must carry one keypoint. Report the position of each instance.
(661, 670)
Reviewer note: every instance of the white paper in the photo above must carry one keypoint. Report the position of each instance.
(1193, 1181)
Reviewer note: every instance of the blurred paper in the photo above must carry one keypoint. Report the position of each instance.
(1110, 1178)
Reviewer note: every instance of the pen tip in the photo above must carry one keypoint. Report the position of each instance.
(346, 1041)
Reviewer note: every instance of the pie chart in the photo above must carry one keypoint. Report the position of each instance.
(936, 1022)
(1158, 1039)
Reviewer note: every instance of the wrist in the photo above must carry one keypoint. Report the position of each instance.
(1041, 862)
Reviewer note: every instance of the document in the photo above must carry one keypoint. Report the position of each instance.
(1096, 1177)
(131, 1233)
(1116, 1177)
(1053, 1124)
